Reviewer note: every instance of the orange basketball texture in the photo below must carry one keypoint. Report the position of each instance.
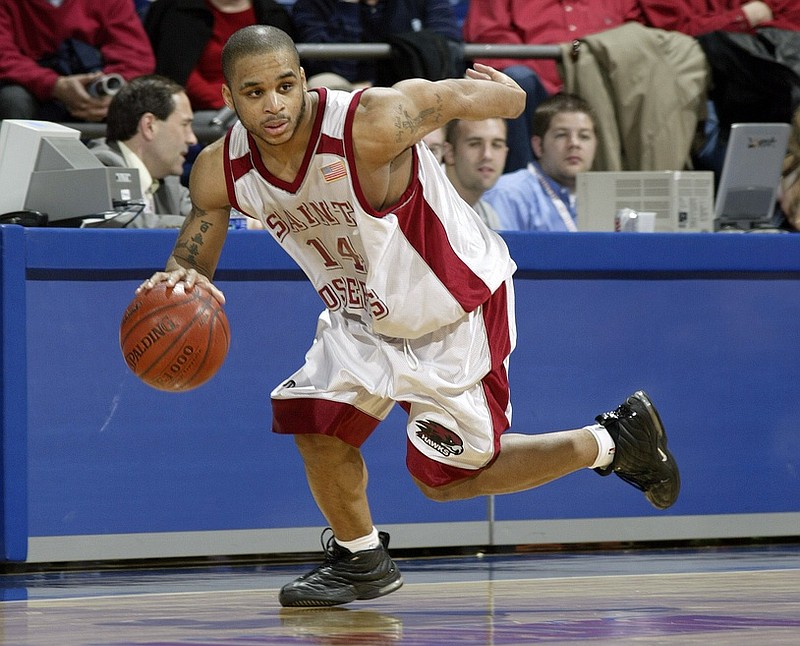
(174, 339)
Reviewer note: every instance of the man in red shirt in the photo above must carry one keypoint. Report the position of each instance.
(54, 49)
(745, 42)
(697, 17)
(539, 22)
(543, 22)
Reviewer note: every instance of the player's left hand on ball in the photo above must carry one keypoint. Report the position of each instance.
(182, 276)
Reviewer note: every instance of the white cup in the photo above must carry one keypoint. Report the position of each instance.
(630, 220)
(646, 222)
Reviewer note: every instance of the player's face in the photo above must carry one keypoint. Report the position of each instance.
(567, 148)
(268, 93)
(478, 153)
(171, 140)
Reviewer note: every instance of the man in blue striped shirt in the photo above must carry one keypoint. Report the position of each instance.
(541, 197)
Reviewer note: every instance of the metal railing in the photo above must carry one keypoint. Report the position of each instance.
(320, 51)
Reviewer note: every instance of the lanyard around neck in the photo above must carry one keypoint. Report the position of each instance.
(562, 209)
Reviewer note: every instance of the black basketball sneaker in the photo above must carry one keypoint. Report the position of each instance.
(641, 457)
(345, 576)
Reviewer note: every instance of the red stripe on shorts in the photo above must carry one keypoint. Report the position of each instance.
(323, 417)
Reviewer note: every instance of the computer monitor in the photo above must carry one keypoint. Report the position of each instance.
(44, 166)
(19, 149)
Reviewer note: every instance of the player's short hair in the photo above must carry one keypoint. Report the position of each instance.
(255, 40)
(151, 93)
(556, 104)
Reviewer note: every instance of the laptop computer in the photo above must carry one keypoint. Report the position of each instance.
(748, 185)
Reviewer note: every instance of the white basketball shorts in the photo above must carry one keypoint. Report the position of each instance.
(453, 383)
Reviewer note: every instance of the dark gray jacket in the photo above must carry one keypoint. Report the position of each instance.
(171, 198)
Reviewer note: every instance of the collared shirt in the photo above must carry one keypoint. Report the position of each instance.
(148, 184)
(524, 204)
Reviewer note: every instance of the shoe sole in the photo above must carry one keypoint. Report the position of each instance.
(380, 592)
(373, 593)
(666, 457)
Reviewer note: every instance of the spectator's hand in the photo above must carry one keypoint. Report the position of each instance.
(71, 91)
(757, 12)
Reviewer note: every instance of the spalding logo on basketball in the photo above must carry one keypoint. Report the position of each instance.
(174, 339)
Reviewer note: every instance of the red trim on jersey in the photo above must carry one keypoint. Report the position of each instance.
(351, 161)
(241, 166)
(328, 144)
(234, 169)
(421, 227)
(347, 135)
(258, 163)
(322, 417)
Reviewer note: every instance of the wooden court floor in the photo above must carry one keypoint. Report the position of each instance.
(710, 595)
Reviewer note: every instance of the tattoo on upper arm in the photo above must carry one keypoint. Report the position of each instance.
(407, 124)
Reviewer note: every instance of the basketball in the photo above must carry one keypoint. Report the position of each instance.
(174, 339)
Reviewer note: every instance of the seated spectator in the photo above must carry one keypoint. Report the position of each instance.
(752, 48)
(539, 22)
(649, 90)
(150, 129)
(696, 17)
(474, 158)
(435, 141)
(541, 197)
(370, 21)
(54, 50)
(188, 36)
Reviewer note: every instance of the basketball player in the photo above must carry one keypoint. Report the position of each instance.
(418, 300)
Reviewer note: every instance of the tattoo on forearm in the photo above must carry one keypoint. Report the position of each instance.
(191, 238)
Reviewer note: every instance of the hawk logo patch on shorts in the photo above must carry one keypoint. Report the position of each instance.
(439, 438)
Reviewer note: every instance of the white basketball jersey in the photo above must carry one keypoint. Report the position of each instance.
(405, 271)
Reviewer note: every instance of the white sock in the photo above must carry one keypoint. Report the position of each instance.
(368, 542)
(605, 445)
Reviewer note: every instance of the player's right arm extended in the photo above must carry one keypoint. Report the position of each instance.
(390, 120)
